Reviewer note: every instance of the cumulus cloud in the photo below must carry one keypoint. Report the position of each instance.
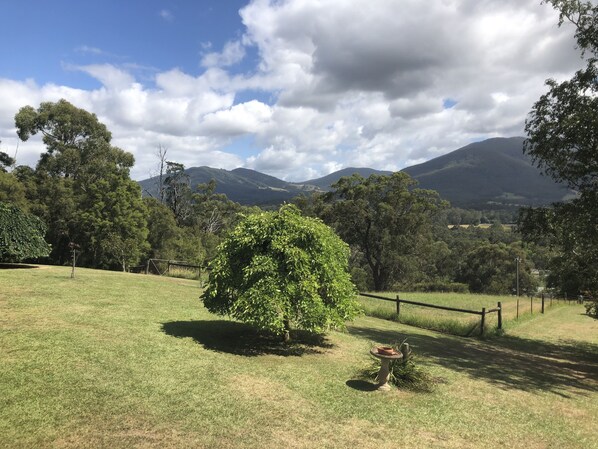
(360, 83)
(232, 53)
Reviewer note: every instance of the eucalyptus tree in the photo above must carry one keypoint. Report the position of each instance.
(84, 190)
(387, 219)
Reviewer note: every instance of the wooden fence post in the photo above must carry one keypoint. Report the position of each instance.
(147, 267)
(398, 307)
(517, 307)
(542, 302)
(483, 321)
(531, 305)
(499, 305)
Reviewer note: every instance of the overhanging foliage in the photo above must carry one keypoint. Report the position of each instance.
(21, 235)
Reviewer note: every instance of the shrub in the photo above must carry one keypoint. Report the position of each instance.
(592, 308)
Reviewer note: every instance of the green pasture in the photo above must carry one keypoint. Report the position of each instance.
(116, 360)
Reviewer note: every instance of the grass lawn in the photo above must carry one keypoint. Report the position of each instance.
(455, 322)
(121, 360)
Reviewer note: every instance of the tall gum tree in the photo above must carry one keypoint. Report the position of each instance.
(100, 206)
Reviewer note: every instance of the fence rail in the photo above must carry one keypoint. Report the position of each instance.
(482, 313)
(153, 265)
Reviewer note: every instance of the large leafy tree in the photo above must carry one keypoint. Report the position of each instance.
(562, 130)
(280, 269)
(21, 235)
(386, 219)
(83, 188)
(492, 268)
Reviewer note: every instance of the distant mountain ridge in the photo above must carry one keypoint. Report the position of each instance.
(493, 173)
(325, 182)
(490, 173)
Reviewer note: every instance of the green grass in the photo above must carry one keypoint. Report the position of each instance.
(120, 360)
(457, 323)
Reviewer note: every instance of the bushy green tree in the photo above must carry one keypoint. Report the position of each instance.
(562, 130)
(280, 269)
(21, 235)
(387, 219)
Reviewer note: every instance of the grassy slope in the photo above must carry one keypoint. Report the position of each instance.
(118, 360)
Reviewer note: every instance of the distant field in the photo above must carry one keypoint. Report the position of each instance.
(116, 360)
(455, 322)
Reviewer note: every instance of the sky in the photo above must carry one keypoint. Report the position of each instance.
(293, 88)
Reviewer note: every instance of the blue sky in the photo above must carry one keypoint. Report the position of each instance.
(292, 88)
(43, 38)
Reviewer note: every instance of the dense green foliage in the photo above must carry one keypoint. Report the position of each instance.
(81, 187)
(5, 161)
(562, 130)
(386, 221)
(21, 235)
(491, 268)
(279, 269)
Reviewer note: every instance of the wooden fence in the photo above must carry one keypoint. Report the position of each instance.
(481, 313)
(546, 302)
(162, 266)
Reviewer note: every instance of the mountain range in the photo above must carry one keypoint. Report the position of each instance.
(493, 173)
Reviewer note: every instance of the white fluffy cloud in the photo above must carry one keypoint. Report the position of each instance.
(360, 83)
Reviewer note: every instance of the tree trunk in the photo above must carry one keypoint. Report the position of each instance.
(286, 336)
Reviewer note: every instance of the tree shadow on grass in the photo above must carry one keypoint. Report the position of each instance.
(241, 339)
(508, 362)
(361, 385)
(15, 266)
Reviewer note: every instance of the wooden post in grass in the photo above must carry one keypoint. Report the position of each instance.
(74, 258)
(517, 307)
(499, 306)
(542, 302)
(398, 307)
(74, 247)
(483, 321)
(531, 305)
(147, 267)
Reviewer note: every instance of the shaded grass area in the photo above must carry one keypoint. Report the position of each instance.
(457, 323)
(240, 339)
(511, 362)
(117, 360)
